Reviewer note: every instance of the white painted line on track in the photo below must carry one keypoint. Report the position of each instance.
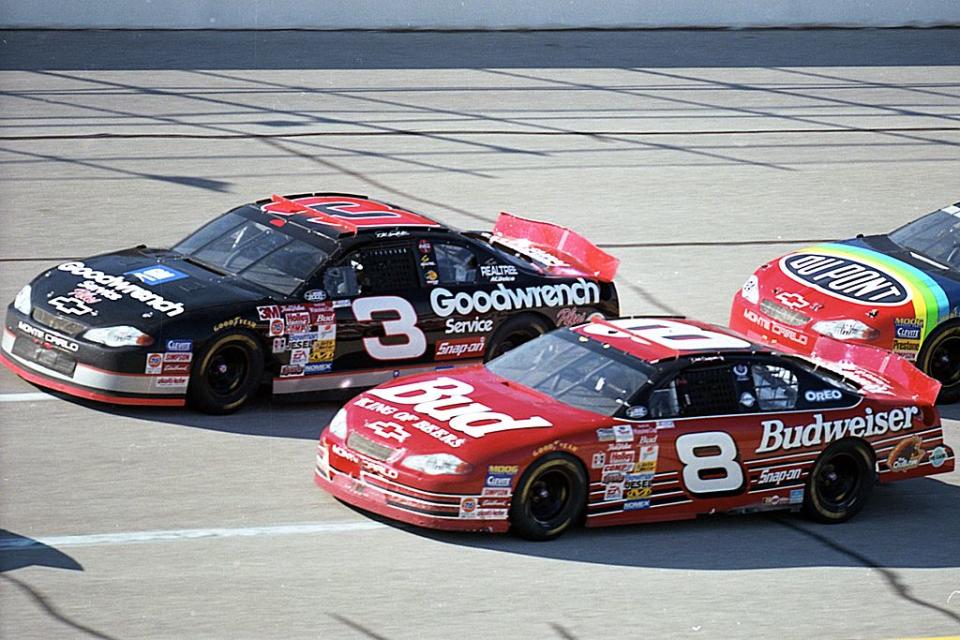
(26, 397)
(140, 537)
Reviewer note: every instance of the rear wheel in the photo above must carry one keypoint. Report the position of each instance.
(513, 333)
(226, 373)
(839, 483)
(551, 496)
(939, 358)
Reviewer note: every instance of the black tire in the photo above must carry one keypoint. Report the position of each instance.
(550, 497)
(513, 333)
(839, 483)
(226, 373)
(939, 358)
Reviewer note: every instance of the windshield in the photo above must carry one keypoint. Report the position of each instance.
(256, 252)
(574, 370)
(935, 236)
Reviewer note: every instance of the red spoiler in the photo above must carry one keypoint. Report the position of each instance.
(852, 360)
(532, 237)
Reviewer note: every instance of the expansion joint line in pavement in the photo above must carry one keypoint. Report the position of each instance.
(470, 132)
(893, 580)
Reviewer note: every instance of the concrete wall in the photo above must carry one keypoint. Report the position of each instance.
(471, 14)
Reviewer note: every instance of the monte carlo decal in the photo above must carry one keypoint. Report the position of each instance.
(628, 421)
(301, 293)
(899, 292)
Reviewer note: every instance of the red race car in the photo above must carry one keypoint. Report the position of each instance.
(634, 420)
(899, 291)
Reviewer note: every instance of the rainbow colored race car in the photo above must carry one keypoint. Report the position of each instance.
(899, 291)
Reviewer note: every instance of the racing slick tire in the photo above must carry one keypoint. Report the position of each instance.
(839, 483)
(939, 358)
(550, 497)
(514, 332)
(226, 373)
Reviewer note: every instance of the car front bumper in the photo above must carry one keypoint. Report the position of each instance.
(364, 483)
(50, 359)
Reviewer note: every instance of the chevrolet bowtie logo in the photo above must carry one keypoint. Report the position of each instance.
(793, 300)
(389, 430)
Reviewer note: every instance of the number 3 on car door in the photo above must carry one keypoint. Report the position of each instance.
(405, 325)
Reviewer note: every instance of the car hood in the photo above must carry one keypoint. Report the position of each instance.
(470, 413)
(138, 287)
(852, 279)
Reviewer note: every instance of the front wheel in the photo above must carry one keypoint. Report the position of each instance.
(839, 483)
(551, 496)
(226, 373)
(939, 358)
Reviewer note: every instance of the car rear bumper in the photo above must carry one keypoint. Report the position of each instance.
(396, 500)
(44, 364)
(934, 457)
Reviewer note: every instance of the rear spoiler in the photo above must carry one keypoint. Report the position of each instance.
(559, 249)
(873, 368)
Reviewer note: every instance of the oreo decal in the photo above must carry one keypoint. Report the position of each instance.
(846, 278)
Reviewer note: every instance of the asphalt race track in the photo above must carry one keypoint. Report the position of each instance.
(694, 156)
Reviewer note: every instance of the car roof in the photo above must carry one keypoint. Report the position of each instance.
(659, 338)
(341, 214)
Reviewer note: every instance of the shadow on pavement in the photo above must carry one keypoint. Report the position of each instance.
(912, 524)
(268, 417)
(949, 411)
(17, 552)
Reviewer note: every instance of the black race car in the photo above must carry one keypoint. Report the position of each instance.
(308, 292)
